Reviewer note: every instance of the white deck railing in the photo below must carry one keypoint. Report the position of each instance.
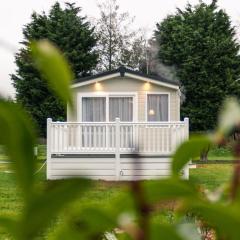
(112, 137)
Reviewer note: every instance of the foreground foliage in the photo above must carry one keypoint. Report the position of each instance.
(130, 216)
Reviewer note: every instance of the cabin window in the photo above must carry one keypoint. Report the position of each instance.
(157, 107)
(121, 107)
(93, 109)
(107, 108)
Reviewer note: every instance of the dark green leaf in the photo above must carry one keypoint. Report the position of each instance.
(17, 134)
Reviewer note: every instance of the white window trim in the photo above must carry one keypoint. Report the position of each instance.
(107, 95)
(157, 93)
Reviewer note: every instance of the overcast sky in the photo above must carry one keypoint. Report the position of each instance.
(15, 13)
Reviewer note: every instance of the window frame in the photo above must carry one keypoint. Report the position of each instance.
(107, 95)
(146, 105)
(81, 109)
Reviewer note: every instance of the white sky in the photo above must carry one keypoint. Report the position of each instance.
(15, 13)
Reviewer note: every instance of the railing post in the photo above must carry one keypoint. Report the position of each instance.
(186, 168)
(49, 147)
(186, 123)
(173, 138)
(117, 149)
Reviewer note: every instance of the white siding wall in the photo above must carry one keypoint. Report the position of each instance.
(103, 168)
(124, 84)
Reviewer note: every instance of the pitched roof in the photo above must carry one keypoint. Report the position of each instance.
(122, 70)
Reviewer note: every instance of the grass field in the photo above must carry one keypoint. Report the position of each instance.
(220, 154)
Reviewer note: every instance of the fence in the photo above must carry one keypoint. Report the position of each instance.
(114, 138)
(84, 137)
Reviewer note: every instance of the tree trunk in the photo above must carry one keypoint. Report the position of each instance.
(204, 154)
(110, 42)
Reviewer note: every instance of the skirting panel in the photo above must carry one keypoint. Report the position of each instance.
(100, 168)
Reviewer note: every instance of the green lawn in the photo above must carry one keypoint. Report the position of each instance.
(211, 176)
(220, 153)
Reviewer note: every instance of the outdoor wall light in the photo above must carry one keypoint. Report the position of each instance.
(98, 86)
(147, 86)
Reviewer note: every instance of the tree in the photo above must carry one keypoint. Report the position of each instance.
(75, 37)
(118, 43)
(201, 43)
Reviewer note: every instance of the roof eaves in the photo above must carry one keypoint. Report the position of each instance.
(83, 79)
(153, 77)
(122, 70)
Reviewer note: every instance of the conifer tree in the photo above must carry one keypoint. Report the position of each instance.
(200, 42)
(75, 37)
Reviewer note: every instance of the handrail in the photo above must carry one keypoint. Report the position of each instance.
(85, 137)
(122, 123)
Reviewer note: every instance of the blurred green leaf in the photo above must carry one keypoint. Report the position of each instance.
(123, 236)
(18, 135)
(164, 232)
(9, 225)
(124, 201)
(225, 219)
(87, 223)
(54, 68)
(98, 220)
(187, 151)
(46, 206)
(229, 116)
(169, 189)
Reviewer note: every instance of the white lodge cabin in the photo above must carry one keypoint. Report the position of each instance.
(118, 114)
